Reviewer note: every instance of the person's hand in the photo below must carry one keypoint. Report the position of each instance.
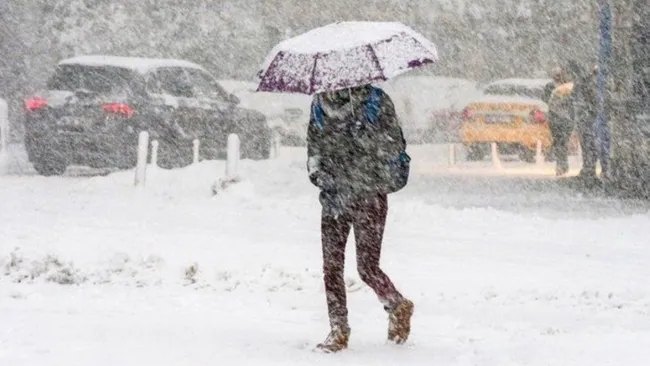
(334, 203)
(323, 181)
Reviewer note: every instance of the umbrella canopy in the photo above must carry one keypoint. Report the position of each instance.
(344, 55)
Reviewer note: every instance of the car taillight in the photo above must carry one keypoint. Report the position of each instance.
(538, 116)
(118, 108)
(468, 113)
(34, 104)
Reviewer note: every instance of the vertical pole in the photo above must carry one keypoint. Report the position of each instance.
(539, 156)
(276, 145)
(452, 154)
(4, 135)
(154, 153)
(604, 56)
(141, 167)
(195, 151)
(4, 127)
(232, 163)
(496, 161)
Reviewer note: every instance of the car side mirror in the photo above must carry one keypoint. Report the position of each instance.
(232, 98)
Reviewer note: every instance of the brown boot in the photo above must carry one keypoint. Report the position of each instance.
(336, 341)
(399, 322)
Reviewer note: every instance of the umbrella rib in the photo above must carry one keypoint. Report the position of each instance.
(375, 59)
(312, 79)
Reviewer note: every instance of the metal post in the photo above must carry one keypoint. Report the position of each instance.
(604, 56)
(627, 158)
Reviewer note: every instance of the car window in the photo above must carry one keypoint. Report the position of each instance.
(515, 90)
(171, 81)
(205, 86)
(99, 79)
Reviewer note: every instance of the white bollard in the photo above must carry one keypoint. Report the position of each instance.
(232, 163)
(579, 153)
(141, 167)
(195, 151)
(232, 166)
(4, 127)
(277, 139)
(452, 154)
(496, 161)
(539, 156)
(154, 153)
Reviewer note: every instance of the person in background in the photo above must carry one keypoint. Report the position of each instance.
(352, 133)
(561, 118)
(556, 76)
(585, 113)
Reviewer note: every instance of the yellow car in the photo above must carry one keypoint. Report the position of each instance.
(511, 113)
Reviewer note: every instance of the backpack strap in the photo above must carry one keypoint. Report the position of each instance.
(373, 105)
(372, 110)
(317, 112)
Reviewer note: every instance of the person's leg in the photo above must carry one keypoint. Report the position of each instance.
(588, 145)
(554, 139)
(562, 152)
(334, 235)
(369, 220)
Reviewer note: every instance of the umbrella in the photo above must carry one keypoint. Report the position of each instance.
(344, 55)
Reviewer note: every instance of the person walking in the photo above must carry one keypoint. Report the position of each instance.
(356, 157)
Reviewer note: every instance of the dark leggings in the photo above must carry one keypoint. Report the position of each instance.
(367, 217)
(561, 132)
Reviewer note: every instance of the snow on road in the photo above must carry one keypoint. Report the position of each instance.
(503, 271)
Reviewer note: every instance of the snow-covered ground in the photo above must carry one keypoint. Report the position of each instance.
(505, 269)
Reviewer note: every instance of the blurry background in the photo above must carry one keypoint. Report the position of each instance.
(479, 40)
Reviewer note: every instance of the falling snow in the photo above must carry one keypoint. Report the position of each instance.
(175, 252)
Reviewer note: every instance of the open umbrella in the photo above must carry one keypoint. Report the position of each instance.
(344, 55)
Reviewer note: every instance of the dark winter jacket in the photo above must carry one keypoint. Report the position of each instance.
(584, 100)
(347, 155)
(548, 91)
(583, 96)
(561, 105)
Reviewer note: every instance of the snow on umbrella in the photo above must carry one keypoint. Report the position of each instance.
(344, 55)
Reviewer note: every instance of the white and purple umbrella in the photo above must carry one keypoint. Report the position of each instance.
(344, 55)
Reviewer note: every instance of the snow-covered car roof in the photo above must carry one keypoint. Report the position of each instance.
(531, 83)
(432, 92)
(233, 86)
(271, 104)
(495, 99)
(142, 65)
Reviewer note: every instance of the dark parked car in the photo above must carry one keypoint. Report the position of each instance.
(94, 107)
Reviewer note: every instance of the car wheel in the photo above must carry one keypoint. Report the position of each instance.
(50, 166)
